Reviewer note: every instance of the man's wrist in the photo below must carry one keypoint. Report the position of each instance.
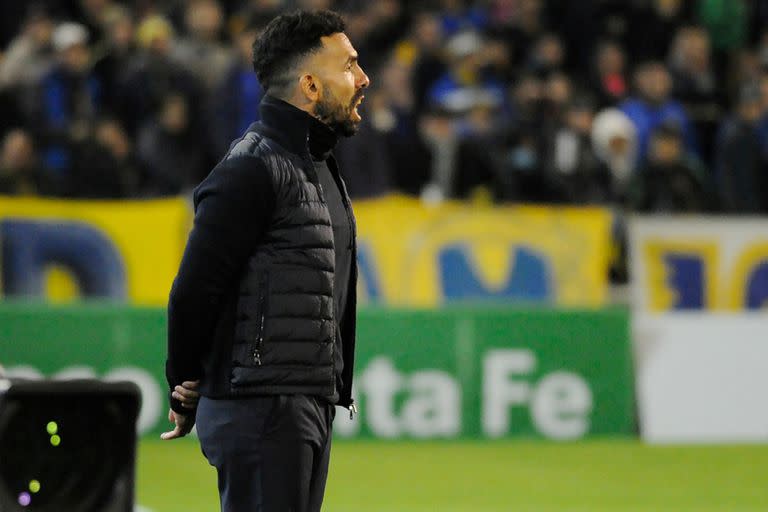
(179, 409)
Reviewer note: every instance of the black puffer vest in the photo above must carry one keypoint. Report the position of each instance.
(285, 323)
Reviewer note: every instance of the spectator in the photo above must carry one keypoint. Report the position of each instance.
(528, 101)
(741, 168)
(547, 55)
(746, 67)
(170, 151)
(614, 140)
(377, 26)
(477, 154)
(671, 181)
(425, 44)
(609, 77)
(558, 92)
(497, 60)
(726, 21)
(695, 83)
(235, 103)
(466, 96)
(465, 83)
(154, 74)
(393, 113)
(20, 170)
(200, 51)
(653, 27)
(522, 176)
(690, 64)
(573, 165)
(521, 164)
(114, 54)
(653, 106)
(93, 13)
(438, 130)
(68, 98)
(520, 26)
(103, 164)
(30, 55)
(367, 163)
(111, 135)
(456, 17)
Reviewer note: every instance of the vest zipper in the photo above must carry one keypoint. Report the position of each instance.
(262, 317)
(259, 342)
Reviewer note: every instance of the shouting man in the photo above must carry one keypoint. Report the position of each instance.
(262, 312)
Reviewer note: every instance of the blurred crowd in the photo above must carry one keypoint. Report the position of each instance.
(644, 105)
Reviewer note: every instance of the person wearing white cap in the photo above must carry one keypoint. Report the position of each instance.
(69, 34)
(68, 97)
(70, 40)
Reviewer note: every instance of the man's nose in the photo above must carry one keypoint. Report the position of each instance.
(363, 81)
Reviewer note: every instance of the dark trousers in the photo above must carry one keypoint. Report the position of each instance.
(271, 452)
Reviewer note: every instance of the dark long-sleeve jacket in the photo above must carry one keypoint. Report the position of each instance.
(252, 309)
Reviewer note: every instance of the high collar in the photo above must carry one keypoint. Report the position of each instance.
(296, 130)
(322, 139)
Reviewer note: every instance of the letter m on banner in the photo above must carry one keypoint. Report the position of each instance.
(528, 278)
(31, 247)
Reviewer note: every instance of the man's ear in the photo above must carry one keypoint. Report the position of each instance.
(310, 87)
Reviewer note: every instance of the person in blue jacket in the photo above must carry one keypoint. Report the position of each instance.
(652, 106)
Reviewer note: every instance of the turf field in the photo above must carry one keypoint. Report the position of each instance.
(494, 476)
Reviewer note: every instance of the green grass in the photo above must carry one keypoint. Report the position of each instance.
(493, 476)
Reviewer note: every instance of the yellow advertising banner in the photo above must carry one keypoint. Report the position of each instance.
(418, 255)
(410, 254)
(699, 263)
(121, 250)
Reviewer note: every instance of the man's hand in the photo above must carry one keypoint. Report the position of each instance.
(186, 394)
(184, 424)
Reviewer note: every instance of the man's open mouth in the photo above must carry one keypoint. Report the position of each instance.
(355, 114)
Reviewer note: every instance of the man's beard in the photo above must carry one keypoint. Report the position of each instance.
(337, 116)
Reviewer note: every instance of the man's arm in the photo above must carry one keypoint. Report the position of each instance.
(233, 207)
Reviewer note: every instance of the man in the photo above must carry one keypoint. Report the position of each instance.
(672, 181)
(740, 155)
(653, 105)
(68, 98)
(262, 311)
(20, 170)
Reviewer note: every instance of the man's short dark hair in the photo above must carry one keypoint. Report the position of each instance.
(286, 40)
